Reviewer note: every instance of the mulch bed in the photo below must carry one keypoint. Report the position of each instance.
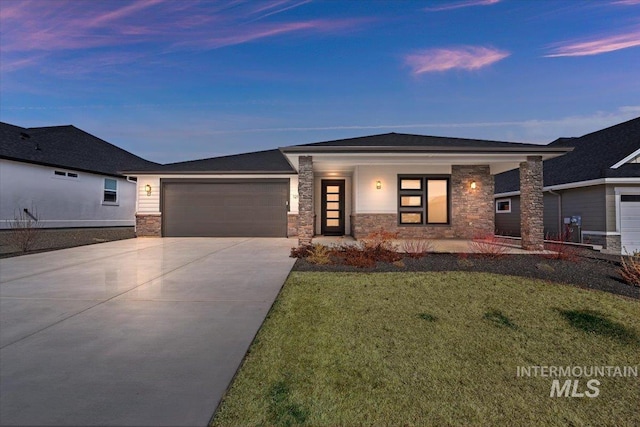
(588, 272)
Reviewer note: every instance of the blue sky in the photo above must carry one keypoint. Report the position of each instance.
(173, 80)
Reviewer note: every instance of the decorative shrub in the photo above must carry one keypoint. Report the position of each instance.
(630, 270)
(379, 246)
(319, 254)
(416, 248)
(355, 255)
(301, 251)
(561, 250)
(25, 230)
(489, 246)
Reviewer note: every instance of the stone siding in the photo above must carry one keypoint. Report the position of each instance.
(472, 209)
(531, 204)
(148, 225)
(610, 244)
(305, 200)
(292, 225)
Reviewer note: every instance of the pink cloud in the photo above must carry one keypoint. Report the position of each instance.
(466, 58)
(460, 5)
(598, 46)
(627, 2)
(71, 25)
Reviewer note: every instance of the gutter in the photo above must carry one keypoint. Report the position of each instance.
(560, 212)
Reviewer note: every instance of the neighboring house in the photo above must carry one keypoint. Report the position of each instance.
(591, 195)
(65, 178)
(418, 186)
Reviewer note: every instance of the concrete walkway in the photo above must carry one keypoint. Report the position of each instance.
(140, 332)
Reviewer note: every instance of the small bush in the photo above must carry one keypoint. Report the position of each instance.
(355, 256)
(630, 270)
(379, 246)
(416, 248)
(301, 251)
(489, 246)
(560, 249)
(319, 254)
(25, 230)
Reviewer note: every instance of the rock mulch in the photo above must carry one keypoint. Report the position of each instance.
(53, 239)
(586, 271)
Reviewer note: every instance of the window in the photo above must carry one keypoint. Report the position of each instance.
(503, 206)
(110, 191)
(423, 200)
(63, 174)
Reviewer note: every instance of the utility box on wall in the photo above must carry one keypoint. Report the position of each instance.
(573, 229)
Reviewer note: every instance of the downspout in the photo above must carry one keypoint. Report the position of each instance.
(559, 212)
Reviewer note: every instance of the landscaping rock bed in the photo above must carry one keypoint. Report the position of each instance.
(586, 271)
(59, 238)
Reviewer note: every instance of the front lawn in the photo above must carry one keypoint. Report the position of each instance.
(436, 348)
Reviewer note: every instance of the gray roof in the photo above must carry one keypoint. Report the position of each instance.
(398, 141)
(66, 147)
(592, 157)
(270, 161)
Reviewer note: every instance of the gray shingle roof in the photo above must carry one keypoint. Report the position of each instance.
(66, 147)
(592, 158)
(407, 140)
(270, 161)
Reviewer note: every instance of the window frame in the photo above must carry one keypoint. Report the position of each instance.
(106, 190)
(503, 211)
(423, 192)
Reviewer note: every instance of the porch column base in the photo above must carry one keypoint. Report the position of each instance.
(305, 200)
(531, 204)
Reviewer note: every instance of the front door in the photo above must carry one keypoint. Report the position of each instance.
(332, 207)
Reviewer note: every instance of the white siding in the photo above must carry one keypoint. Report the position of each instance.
(148, 203)
(62, 201)
(371, 200)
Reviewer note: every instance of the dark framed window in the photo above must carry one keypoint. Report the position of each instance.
(503, 206)
(110, 194)
(423, 200)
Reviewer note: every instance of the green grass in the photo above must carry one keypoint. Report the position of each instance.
(433, 349)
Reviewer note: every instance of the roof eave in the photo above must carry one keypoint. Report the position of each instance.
(439, 149)
(55, 165)
(207, 172)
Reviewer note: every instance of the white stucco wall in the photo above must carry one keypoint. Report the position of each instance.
(62, 201)
(368, 199)
(151, 204)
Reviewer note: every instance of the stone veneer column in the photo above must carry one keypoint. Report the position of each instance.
(149, 225)
(472, 211)
(305, 200)
(531, 204)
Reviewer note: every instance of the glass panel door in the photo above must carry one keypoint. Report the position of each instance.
(332, 207)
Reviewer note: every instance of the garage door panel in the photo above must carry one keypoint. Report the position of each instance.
(630, 226)
(247, 209)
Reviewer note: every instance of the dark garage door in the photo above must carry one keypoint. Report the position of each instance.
(225, 209)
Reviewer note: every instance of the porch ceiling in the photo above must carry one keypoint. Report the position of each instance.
(346, 162)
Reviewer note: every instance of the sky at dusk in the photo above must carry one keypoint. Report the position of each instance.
(173, 80)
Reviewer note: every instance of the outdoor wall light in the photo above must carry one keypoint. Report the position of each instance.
(378, 185)
(473, 185)
(148, 189)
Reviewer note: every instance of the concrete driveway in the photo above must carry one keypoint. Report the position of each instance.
(135, 332)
